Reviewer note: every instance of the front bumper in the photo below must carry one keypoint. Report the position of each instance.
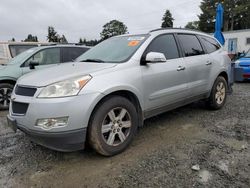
(71, 137)
(61, 141)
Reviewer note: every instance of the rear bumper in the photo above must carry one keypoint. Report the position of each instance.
(242, 73)
(66, 141)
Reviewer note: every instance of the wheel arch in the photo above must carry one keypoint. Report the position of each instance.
(224, 75)
(131, 96)
(8, 81)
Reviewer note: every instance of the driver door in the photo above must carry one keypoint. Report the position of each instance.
(164, 83)
(44, 58)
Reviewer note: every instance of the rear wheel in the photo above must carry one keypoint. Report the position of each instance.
(218, 94)
(5, 94)
(113, 126)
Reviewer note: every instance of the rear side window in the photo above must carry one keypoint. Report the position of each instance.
(191, 45)
(210, 44)
(70, 54)
(165, 44)
(17, 49)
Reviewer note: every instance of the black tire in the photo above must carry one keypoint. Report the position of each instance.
(5, 93)
(213, 101)
(99, 140)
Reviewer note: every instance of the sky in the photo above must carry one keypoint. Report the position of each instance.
(85, 18)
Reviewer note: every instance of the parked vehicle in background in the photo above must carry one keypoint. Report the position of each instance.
(9, 50)
(121, 82)
(242, 66)
(33, 59)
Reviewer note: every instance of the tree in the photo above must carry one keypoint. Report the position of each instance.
(52, 35)
(236, 15)
(113, 28)
(31, 38)
(192, 25)
(63, 40)
(80, 41)
(167, 20)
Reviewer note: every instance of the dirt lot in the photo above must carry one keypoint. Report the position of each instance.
(216, 144)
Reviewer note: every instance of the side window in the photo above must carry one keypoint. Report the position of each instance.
(191, 45)
(70, 54)
(210, 44)
(45, 57)
(165, 44)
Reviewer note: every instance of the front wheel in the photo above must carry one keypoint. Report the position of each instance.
(113, 126)
(5, 94)
(218, 94)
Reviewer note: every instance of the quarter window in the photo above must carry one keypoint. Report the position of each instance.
(191, 45)
(210, 44)
(165, 44)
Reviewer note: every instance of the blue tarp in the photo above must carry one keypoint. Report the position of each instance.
(219, 24)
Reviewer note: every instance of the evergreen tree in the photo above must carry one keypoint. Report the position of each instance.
(52, 35)
(167, 20)
(80, 41)
(63, 40)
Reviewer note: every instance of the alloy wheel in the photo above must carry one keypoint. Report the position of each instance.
(5, 95)
(116, 126)
(220, 93)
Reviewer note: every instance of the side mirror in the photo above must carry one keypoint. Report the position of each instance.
(33, 64)
(155, 57)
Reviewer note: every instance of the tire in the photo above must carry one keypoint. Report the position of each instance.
(218, 95)
(112, 126)
(5, 94)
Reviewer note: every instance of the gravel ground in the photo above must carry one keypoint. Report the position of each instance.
(188, 147)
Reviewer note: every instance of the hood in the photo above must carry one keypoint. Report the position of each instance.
(61, 72)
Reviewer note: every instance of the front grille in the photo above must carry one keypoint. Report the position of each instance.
(19, 108)
(25, 91)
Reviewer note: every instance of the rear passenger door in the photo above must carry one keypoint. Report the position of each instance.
(198, 64)
(164, 83)
(69, 54)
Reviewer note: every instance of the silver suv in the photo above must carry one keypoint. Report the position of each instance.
(120, 83)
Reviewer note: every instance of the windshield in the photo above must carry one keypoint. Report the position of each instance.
(247, 54)
(21, 57)
(114, 50)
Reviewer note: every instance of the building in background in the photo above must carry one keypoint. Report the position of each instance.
(237, 41)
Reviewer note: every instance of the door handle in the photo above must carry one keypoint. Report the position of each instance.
(180, 68)
(209, 63)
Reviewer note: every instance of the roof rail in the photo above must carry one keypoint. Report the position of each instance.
(167, 28)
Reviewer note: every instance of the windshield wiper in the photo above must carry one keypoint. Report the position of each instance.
(93, 60)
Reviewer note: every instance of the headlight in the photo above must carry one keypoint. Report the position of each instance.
(65, 88)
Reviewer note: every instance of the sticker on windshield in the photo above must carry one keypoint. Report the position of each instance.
(133, 43)
(136, 38)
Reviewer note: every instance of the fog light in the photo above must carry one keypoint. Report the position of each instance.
(50, 123)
